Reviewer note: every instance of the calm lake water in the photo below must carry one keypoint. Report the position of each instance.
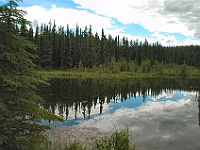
(159, 113)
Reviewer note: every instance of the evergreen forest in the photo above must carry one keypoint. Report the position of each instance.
(64, 48)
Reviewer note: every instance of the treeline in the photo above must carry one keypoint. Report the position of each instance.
(58, 47)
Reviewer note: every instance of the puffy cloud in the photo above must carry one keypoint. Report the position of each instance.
(165, 40)
(64, 16)
(186, 12)
(155, 15)
(191, 42)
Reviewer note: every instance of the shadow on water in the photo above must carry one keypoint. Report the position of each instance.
(81, 96)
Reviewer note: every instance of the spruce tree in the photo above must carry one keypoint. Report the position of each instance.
(20, 114)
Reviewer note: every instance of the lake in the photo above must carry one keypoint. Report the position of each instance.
(160, 113)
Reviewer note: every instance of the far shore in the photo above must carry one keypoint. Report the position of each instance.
(120, 75)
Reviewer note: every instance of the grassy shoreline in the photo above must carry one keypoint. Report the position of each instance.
(120, 75)
(75, 74)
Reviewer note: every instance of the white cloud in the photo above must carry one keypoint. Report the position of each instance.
(64, 16)
(53, 6)
(186, 12)
(165, 40)
(153, 15)
(146, 13)
(191, 42)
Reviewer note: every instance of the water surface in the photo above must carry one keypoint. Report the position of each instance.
(159, 113)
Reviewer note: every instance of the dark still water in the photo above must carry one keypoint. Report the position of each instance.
(159, 113)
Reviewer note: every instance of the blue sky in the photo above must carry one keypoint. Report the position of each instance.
(167, 21)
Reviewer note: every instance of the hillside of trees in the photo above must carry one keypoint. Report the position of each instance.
(58, 47)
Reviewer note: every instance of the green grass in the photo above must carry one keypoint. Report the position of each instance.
(71, 74)
(117, 141)
(167, 72)
(75, 74)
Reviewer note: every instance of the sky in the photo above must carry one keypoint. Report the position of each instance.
(170, 22)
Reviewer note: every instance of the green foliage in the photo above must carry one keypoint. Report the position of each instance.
(117, 141)
(104, 69)
(183, 71)
(158, 67)
(124, 66)
(60, 49)
(60, 144)
(105, 72)
(80, 66)
(74, 146)
(20, 116)
(94, 68)
(198, 73)
(133, 66)
(145, 66)
(113, 66)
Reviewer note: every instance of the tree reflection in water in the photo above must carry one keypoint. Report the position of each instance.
(81, 95)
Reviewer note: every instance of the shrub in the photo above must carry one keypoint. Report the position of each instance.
(117, 141)
(183, 71)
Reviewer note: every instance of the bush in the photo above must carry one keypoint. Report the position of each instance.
(117, 141)
(183, 71)
(145, 66)
(113, 66)
(157, 67)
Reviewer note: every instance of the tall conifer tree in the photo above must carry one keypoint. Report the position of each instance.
(20, 114)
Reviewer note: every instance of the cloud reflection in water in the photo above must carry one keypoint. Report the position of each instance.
(155, 124)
